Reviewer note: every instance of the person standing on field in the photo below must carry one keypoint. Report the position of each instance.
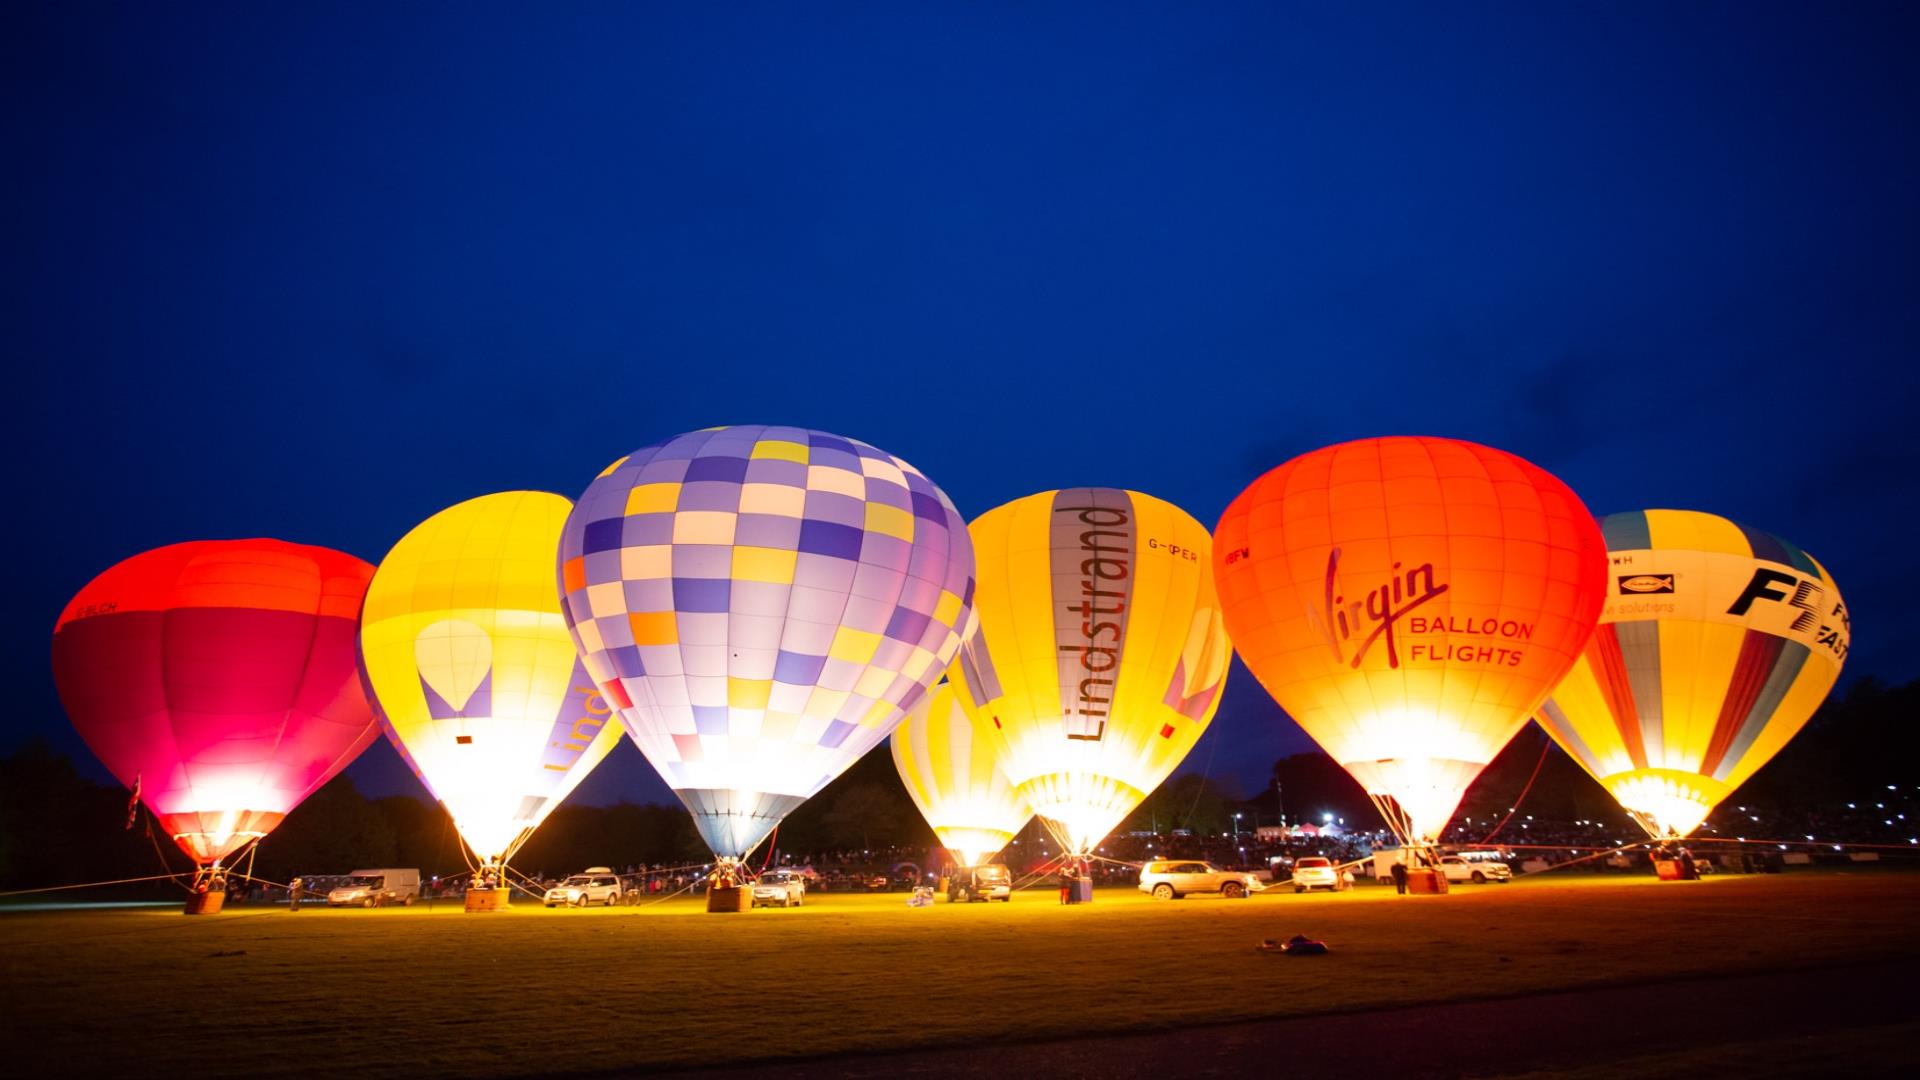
(1400, 878)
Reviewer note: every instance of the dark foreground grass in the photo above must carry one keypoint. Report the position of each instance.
(533, 991)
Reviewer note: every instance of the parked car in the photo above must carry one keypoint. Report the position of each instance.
(990, 881)
(784, 887)
(594, 885)
(377, 888)
(1170, 879)
(1315, 872)
(1478, 871)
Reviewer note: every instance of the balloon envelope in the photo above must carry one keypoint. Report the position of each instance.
(1409, 602)
(219, 678)
(762, 604)
(474, 669)
(1716, 645)
(1101, 651)
(948, 767)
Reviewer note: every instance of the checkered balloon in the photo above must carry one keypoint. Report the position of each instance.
(763, 604)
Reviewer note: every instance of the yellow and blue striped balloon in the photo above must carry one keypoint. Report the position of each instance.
(1716, 645)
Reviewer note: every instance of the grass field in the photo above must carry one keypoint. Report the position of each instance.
(265, 991)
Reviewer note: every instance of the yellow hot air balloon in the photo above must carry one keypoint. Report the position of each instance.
(1101, 650)
(950, 771)
(483, 693)
(1716, 644)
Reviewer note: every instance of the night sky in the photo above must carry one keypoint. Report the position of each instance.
(318, 275)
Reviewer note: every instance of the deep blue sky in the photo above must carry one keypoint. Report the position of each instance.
(318, 275)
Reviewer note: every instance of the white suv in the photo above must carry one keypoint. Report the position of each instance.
(1169, 879)
(784, 887)
(597, 885)
(1315, 872)
(1478, 871)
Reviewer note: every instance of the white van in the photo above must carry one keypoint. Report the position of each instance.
(377, 888)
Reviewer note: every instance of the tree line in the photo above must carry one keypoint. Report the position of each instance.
(58, 828)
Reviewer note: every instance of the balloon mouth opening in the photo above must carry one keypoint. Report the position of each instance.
(1666, 806)
(1416, 795)
(972, 847)
(1078, 809)
(207, 836)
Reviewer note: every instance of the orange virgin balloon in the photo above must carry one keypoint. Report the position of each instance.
(1410, 602)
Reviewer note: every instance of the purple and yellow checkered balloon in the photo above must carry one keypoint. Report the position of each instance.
(763, 604)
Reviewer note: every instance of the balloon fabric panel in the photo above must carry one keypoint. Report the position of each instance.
(949, 768)
(1741, 637)
(479, 684)
(762, 604)
(1101, 653)
(218, 676)
(1409, 601)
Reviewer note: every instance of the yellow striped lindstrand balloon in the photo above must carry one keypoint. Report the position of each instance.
(1101, 651)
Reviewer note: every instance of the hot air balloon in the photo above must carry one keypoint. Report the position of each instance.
(476, 673)
(948, 766)
(1409, 602)
(1716, 644)
(762, 604)
(1101, 651)
(217, 679)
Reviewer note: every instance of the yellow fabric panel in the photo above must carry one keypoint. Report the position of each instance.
(1701, 657)
(780, 450)
(773, 565)
(890, 521)
(748, 693)
(853, 646)
(653, 499)
(1688, 530)
(950, 771)
(1586, 709)
(465, 605)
